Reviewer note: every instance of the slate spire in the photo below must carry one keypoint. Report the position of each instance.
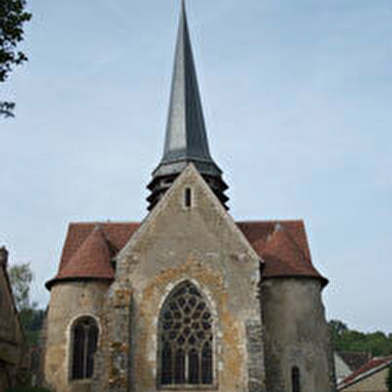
(186, 137)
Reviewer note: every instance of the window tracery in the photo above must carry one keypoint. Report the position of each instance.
(185, 339)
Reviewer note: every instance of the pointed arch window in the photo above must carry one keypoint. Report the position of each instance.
(295, 379)
(84, 344)
(185, 354)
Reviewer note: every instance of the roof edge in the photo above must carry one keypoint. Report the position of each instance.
(50, 283)
(364, 375)
(324, 281)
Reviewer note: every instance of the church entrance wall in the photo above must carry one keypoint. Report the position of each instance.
(203, 247)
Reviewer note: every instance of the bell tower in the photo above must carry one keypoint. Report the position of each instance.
(186, 137)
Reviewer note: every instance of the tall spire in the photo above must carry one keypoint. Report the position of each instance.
(186, 137)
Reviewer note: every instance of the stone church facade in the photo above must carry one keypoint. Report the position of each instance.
(188, 299)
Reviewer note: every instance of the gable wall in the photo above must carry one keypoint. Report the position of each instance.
(373, 383)
(201, 244)
(341, 368)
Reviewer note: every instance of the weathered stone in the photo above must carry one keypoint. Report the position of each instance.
(69, 302)
(296, 334)
(11, 334)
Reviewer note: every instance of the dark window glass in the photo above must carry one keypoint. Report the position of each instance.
(188, 197)
(166, 365)
(194, 367)
(295, 379)
(185, 338)
(84, 345)
(78, 352)
(206, 364)
(179, 371)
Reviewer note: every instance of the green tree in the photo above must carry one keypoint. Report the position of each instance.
(337, 328)
(345, 339)
(31, 318)
(21, 277)
(389, 379)
(13, 15)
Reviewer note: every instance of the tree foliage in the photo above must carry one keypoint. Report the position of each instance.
(344, 339)
(21, 277)
(31, 318)
(13, 15)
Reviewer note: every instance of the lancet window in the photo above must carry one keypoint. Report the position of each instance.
(84, 345)
(295, 379)
(185, 339)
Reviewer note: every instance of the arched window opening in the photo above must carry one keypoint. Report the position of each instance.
(188, 197)
(185, 339)
(84, 345)
(295, 379)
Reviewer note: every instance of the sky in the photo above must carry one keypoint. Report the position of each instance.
(297, 98)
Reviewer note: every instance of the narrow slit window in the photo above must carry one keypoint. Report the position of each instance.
(188, 197)
(295, 379)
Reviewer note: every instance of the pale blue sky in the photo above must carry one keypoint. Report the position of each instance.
(297, 97)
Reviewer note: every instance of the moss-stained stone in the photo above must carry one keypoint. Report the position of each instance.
(68, 302)
(201, 244)
(261, 328)
(296, 334)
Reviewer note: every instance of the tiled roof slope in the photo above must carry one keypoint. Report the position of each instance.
(91, 259)
(374, 365)
(78, 261)
(89, 247)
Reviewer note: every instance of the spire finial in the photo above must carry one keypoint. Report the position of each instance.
(186, 137)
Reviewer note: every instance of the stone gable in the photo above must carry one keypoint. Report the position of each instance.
(199, 243)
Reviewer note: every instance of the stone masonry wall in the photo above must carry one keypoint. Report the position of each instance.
(374, 383)
(200, 244)
(296, 334)
(68, 302)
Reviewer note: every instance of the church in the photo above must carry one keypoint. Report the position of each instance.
(188, 299)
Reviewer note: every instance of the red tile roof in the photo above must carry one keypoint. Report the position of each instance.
(87, 255)
(372, 366)
(92, 258)
(89, 247)
(283, 246)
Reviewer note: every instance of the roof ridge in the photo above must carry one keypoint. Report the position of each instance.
(271, 221)
(91, 260)
(84, 223)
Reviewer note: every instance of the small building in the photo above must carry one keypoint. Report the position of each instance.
(348, 362)
(11, 335)
(371, 377)
(342, 369)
